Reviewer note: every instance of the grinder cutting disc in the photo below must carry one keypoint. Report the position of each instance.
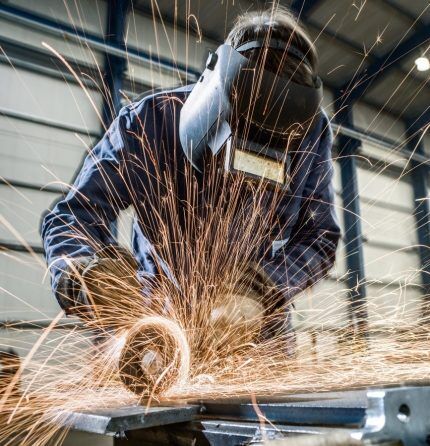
(155, 357)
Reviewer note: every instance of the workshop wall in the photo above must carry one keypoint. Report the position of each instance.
(46, 127)
(392, 263)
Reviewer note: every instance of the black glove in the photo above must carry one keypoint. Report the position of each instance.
(255, 282)
(277, 323)
(240, 307)
(95, 285)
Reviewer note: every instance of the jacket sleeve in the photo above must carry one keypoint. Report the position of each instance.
(310, 251)
(80, 224)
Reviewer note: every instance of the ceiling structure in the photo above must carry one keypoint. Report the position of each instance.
(367, 48)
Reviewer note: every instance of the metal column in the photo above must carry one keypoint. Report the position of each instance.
(419, 175)
(115, 66)
(348, 147)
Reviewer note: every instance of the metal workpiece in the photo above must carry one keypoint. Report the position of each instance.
(323, 409)
(116, 421)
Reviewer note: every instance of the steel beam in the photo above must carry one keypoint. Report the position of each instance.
(19, 247)
(313, 409)
(115, 66)
(379, 141)
(61, 190)
(34, 324)
(331, 409)
(117, 421)
(348, 148)
(420, 123)
(419, 175)
(303, 8)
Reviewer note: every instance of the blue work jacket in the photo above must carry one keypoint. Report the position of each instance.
(117, 173)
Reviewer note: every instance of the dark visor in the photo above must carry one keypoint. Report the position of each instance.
(273, 103)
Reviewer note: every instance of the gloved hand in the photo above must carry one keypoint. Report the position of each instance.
(236, 309)
(254, 310)
(236, 320)
(242, 305)
(103, 286)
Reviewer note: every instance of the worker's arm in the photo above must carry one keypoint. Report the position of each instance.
(309, 253)
(79, 226)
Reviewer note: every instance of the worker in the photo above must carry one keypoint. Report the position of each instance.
(255, 110)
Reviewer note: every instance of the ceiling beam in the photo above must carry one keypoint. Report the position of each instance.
(383, 65)
(303, 8)
(420, 122)
(401, 11)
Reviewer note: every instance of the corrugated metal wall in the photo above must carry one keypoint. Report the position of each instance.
(36, 150)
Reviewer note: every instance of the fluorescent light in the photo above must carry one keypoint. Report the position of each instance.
(422, 63)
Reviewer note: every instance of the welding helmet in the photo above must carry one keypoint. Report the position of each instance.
(267, 103)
